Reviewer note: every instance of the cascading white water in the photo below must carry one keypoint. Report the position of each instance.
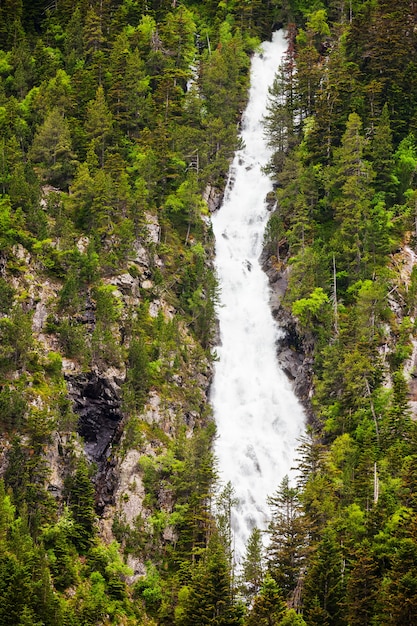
(258, 416)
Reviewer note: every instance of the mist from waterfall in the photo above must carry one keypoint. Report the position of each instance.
(258, 417)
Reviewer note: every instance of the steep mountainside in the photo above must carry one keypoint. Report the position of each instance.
(118, 119)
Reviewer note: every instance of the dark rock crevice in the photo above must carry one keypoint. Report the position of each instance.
(97, 402)
(96, 399)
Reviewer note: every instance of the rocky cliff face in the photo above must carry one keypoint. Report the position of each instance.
(91, 384)
(293, 350)
(96, 398)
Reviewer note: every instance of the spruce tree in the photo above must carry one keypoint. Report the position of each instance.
(268, 607)
(286, 548)
(209, 601)
(81, 505)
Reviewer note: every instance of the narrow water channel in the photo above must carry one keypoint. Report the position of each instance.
(258, 417)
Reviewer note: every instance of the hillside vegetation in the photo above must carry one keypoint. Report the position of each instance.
(118, 120)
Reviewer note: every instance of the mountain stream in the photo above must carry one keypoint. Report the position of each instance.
(258, 417)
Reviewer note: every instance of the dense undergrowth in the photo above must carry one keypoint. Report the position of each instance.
(115, 116)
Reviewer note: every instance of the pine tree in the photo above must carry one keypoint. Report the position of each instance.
(308, 73)
(324, 583)
(268, 607)
(209, 601)
(81, 505)
(279, 120)
(351, 180)
(362, 587)
(286, 547)
(399, 601)
(225, 502)
(253, 566)
(99, 123)
(51, 151)
(381, 154)
(338, 88)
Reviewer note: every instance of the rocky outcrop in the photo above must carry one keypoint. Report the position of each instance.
(403, 262)
(97, 402)
(293, 358)
(214, 197)
(94, 388)
(410, 371)
(293, 351)
(96, 398)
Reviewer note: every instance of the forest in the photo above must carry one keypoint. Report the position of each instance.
(118, 122)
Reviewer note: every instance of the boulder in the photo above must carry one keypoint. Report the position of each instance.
(214, 197)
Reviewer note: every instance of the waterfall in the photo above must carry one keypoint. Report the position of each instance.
(258, 417)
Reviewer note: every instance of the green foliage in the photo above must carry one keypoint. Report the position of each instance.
(137, 382)
(16, 339)
(6, 296)
(51, 150)
(150, 591)
(208, 599)
(253, 566)
(405, 159)
(287, 532)
(268, 607)
(72, 339)
(81, 505)
(12, 408)
(345, 204)
(99, 123)
(312, 311)
(291, 618)
(102, 102)
(10, 225)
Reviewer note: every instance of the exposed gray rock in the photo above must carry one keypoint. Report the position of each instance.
(294, 361)
(97, 402)
(39, 317)
(3, 262)
(58, 454)
(140, 254)
(271, 200)
(88, 313)
(293, 350)
(138, 568)
(153, 228)
(21, 253)
(82, 244)
(214, 197)
(46, 190)
(170, 535)
(125, 282)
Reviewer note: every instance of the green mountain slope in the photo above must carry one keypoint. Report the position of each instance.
(118, 120)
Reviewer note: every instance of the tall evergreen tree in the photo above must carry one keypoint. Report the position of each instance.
(352, 179)
(381, 154)
(81, 504)
(286, 547)
(268, 607)
(99, 123)
(209, 599)
(51, 151)
(253, 566)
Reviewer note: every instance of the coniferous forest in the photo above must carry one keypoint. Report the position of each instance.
(118, 121)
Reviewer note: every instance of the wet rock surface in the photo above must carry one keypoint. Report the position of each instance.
(97, 402)
(214, 197)
(293, 351)
(296, 364)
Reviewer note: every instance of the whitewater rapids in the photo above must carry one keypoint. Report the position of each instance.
(258, 416)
